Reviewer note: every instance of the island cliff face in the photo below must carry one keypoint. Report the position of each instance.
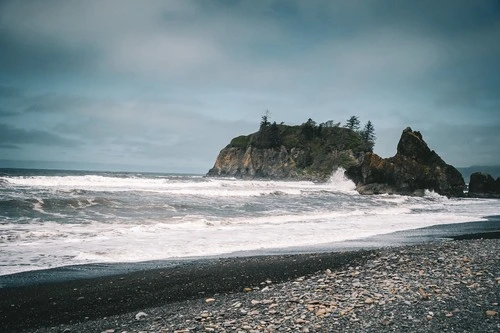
(256, 163)
(414, 169)
(303, 152)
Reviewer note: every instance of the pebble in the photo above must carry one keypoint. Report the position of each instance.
(140, 315)
(425, 288)
(491, 313)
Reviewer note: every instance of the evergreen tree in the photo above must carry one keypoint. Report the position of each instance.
(353, 123)
(274, 136)
(368, 135)
(308, 129)
(265, 120)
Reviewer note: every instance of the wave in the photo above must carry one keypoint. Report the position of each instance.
(53, 244)
(159, 217)
(340, 182)
(192, 185)
(15, 206)
(58, 207)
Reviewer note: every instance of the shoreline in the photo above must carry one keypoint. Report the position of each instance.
(72, 301)
(466, 230)
(66, 303)
(436, 286)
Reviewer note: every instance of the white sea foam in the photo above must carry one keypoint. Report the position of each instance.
(340, 182)
(207, 187)
(135, 219)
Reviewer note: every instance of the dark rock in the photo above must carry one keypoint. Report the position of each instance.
(414, 169)
(493, 170)
(411, 171)
(482, 185)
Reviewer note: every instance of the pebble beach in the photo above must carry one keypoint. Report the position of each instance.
(443, 286)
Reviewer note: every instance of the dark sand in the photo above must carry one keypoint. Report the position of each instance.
(27, 307)
(66, 302)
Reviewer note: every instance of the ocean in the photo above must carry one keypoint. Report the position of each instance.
(52, 218)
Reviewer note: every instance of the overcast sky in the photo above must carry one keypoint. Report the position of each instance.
(164, 85)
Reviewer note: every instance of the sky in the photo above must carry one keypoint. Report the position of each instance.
(164, 85)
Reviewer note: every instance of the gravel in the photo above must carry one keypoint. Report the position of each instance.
(445, 286)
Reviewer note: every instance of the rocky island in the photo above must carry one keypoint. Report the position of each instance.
(414, 169)
(483, 185)
(313, 152)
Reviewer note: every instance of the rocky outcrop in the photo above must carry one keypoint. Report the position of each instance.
(273, 163)
(255, 163)
(483, 185)
(305, 153)
(414, 169)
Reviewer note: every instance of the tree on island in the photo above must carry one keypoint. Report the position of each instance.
(353, 123)
(264, 120)
(269, 135)
(330, 124)
(368, 134)
(308, 129)
(275, 140)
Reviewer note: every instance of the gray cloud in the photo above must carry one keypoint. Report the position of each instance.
(464, 143)
(7, 92)
(5, 113)
(154, 81)
(8, 146)
(13, 137)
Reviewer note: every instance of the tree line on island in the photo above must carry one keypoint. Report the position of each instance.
(313, 150)
(273, 135)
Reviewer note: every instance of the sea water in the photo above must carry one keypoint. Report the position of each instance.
(59, 218)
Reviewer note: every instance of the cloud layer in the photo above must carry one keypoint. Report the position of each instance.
(166, 84)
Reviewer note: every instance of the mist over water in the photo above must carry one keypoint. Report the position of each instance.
(57, 218)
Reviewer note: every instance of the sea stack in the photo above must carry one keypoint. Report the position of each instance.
(414, 169)
(483, 185)
(310, 152)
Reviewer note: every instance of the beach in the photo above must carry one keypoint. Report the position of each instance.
(443, 285)
(127, 252)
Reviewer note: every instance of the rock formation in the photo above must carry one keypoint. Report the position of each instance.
(414, 169)
(255, 163)
(304, 153)
(313, 153)
(483, 185)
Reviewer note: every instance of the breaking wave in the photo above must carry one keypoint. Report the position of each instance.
(73, 218)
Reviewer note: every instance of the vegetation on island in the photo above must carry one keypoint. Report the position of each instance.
(329, 135)
(318, 147)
